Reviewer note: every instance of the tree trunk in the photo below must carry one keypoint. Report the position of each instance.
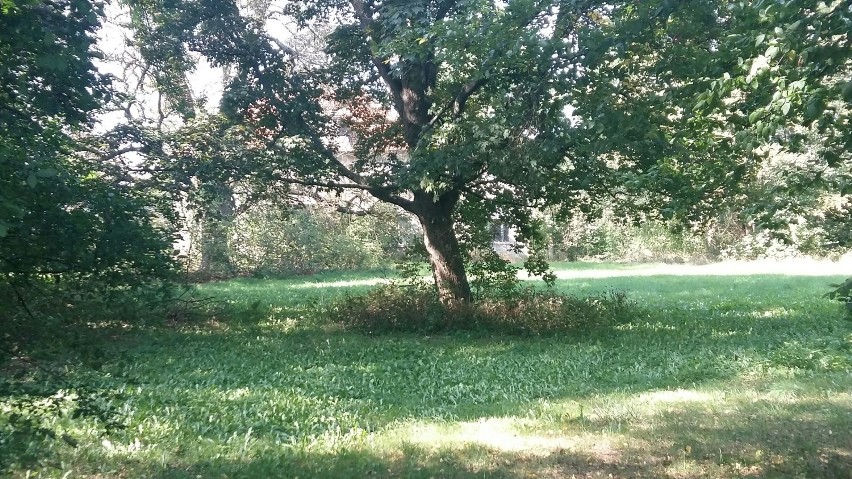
(445, 255)
(215, 254)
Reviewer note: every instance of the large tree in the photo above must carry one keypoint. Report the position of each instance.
(441, 120)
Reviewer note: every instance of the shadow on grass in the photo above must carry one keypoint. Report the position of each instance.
(411, 462)
(301, 386)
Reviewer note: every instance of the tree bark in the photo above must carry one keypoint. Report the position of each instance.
(445, 256)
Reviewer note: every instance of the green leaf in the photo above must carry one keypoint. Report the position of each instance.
(831, 157)
(32, 180)
(846, 91)
(760, 38)
(772, 52)
(52, 62)
(755, 115)
(47, 173)
(812, 110)
(786, 108)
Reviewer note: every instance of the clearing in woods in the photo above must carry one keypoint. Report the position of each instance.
(727, 375)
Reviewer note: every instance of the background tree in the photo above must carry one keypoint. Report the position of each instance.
(63, 210)
(786, 84)
(74, 226)
(728, 108)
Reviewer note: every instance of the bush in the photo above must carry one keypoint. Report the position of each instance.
(842, 292)
(613, 238)
(526, 312)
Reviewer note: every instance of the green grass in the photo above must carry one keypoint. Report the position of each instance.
(738, 376)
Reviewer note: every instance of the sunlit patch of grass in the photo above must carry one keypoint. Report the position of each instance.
(720, 430)
(341, 284)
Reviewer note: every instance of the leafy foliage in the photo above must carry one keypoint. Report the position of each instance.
(787, 84)
(64, 212)
(843, 293)
(33, 408)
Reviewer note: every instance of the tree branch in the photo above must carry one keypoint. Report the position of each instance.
(457, 104)
(283, 46)
(501, 201)
(379, 192)
(365, 20)
(358, 182)
(112, 154)
(469, 89)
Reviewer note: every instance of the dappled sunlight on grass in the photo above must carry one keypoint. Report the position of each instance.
(772, 313)
(721, 430)
(745, 376)
(678, 395)
(500, 434)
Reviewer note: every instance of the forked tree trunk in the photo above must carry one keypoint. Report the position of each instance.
(445, 255)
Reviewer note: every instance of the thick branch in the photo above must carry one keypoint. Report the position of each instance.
(112, 154)
(358, 181)
(382, 193)
(323, 184)
(283, 47)
(469, 89)
(346, 210)
(501, 201)
(364, 16)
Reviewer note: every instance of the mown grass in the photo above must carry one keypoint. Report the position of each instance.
(737, 376)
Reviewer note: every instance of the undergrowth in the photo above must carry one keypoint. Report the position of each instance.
(523, 312)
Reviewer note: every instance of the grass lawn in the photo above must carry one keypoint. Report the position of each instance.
(727, 376)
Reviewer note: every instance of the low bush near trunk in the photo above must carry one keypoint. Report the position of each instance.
(527, 312)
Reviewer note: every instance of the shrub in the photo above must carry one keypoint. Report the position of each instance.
(268, 241)
(842, 292)
(614, 238)
(525, 312)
